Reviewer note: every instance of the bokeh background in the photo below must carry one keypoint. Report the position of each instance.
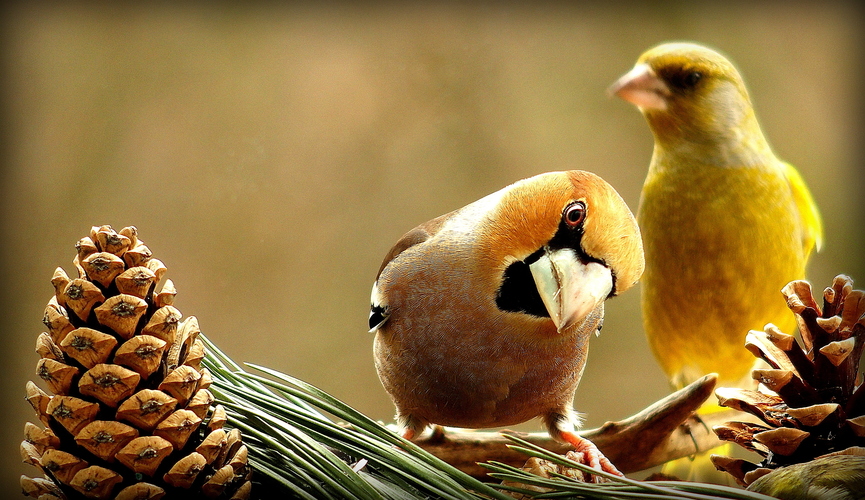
(271, 154)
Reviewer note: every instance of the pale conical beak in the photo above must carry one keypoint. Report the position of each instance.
(569, 288)
(642, 88)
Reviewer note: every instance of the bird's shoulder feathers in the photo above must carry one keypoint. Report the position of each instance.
(414, 237)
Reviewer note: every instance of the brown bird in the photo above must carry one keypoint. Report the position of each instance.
(482, 316)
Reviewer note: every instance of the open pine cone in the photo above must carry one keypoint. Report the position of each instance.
(815, 404)
(127, 414)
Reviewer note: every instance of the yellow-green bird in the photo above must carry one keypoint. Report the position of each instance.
(834, 477)
(725, 223)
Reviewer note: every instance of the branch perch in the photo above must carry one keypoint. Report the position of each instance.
(664, 431)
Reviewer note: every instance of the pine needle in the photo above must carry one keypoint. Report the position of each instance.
(297, 450)
(301, 452)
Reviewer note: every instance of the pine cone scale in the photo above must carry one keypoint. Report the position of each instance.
(817, 405)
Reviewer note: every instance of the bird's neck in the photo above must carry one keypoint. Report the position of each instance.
(739, 145)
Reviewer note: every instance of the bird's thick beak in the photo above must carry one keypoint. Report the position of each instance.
(642, 88)
(570, 288)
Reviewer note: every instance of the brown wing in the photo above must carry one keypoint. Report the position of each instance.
(417, 235)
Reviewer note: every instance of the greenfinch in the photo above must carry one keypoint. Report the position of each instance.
(482, 316)
(725, 223)
(835, 477)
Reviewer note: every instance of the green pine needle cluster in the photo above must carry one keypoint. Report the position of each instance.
(298, 451)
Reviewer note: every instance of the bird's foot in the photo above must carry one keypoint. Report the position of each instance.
(437, 434)
(407, 434)
(587, 453)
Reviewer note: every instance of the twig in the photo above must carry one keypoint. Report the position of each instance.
(664, 431)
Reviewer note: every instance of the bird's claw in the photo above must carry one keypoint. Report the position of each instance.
(586, 452)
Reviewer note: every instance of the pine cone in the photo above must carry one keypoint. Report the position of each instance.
(815, 402)
(127, 414)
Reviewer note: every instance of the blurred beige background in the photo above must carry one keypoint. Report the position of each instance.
(271, 155)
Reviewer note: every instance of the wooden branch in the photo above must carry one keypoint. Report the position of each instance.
(664, 431)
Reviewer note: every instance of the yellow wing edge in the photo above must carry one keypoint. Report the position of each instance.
(812, 223)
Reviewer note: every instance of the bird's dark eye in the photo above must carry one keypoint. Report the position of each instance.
(683, 79)
(692, 78)
(574, 214)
